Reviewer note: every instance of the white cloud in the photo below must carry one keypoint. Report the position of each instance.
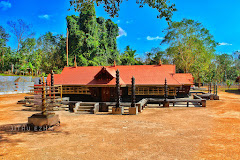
(5, 5)
(224, 44)
(121, 32)
(118, 21)
(149, 38)
(45, 16)
(128, 22)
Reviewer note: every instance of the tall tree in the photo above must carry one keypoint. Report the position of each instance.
(112, 7)
(88, 25)
(102, 35)
(52, 50)
(21, 30)
(225, 67)
(4, 37)
(91, 39)
(191, 46)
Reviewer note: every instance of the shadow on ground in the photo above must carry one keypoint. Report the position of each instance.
(233, 91)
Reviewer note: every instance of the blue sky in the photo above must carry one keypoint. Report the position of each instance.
(139, 27)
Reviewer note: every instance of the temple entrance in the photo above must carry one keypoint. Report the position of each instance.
(105, 94)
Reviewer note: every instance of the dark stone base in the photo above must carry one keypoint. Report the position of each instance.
(133, 110)
(103, 107)
(211, 97)
(165, 104)
(117, 110)
(216, 97)
(40, 120)
(204, 103)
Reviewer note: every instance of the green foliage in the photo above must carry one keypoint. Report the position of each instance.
(4, 37)
(4, 50)
(129, 57)
(112, 7)
(21, 30)
(191, 47)
(154, 57)
(226, 67)
(91, 39)
(229, 83)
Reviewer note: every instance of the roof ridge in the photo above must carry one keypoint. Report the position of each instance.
(171, 74)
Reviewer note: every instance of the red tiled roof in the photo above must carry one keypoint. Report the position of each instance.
(184, 78)
(144, 75)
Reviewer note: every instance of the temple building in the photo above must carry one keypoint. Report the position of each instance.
(97, 84)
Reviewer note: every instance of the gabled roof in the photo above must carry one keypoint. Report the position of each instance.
(144, 75)
(110, 71)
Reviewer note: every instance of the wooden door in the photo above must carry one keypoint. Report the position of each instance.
(105, 94)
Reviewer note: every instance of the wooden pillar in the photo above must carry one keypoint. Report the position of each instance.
(133, 110)
(40, 81)
(117, 110)
(216, 89)
(165, 90)
(133, 93)
(52, 78)
(44, 109)
(52, 84)
(213, 88)
(117, 89)
(210, 87)
(165, 103)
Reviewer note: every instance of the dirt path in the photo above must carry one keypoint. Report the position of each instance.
(157, 133)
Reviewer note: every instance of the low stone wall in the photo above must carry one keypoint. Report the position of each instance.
(9, 86)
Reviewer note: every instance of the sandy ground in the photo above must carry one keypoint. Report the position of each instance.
(157, 133)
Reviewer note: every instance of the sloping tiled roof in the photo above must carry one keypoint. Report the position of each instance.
(184, 78)
(144, 75)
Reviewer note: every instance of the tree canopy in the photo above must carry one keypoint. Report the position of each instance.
(21, 30)
(164, 7)
(4, 37)
(92, 40)
(191, 46)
